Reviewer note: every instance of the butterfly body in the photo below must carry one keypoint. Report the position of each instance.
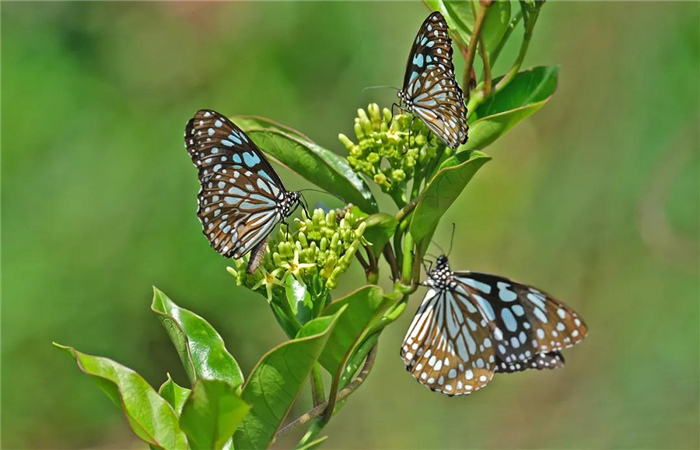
(241, 198)
(471, 326)
(430, 90)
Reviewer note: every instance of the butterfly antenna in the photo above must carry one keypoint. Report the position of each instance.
(439, 248)
(452, 239)
(379, 87)
(325, 192)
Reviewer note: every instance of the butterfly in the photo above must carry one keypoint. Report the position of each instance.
(430, 89)
(241, 198)
(472, 325)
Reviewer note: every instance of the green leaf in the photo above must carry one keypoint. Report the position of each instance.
(299, 299)
(313, 444)
(380, 228)
(460, 18)
(527, 92)
(211, 414)
(318, 165)
(174, 394)
(149, 415)
(277, 380)
(452, 177)
(200, 347)
(365, 306)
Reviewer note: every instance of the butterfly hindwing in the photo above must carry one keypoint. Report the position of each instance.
(241, 197)
(524, 321)
(430, 89)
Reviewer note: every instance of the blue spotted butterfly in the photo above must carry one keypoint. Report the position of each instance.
(430, 90)
(472, 325)
(241, 197)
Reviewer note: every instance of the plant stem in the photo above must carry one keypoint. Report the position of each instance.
(529, 21)
(362, 261)
(391, 260)
(317, 393)
(476, 32)
(478, 97)
(408, 209)
(317, 411)
(372, 272)
(407, 263)
(487, 67)
(509, 30)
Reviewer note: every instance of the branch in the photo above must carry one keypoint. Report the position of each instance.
(487, 67)
(343, 393)
(476, 32)
(391, 260)
(408, 209)
(529, 21)
(317, 393)
(363, 263)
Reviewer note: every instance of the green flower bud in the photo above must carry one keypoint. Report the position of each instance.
(346, 141)
(398, 175)
(380, 179)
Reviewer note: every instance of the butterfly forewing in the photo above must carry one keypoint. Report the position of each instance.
(430, 89)
(445, 349)
(431, 48)
(241, 197)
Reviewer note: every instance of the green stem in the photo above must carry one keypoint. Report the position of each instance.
(509, 30)
(487, 67)
(478, 97)
(407, 263)
(408, 209)
(530, 20)
(317, 393)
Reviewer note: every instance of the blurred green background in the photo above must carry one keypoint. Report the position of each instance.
(595, 199)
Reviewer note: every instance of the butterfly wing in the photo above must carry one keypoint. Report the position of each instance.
(432, 48)
(529, 327)
(439, 102)
(430, 84)
(447, 347)
(240, 191)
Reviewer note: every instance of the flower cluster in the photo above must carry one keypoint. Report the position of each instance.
(385, 152)
(316, 253)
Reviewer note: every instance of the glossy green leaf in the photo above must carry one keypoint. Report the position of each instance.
(526, 93)
(174, 394)
(276, 381)
(380, 228)
(364, 307)
(318, 165)
(201, 349)
(211, 414)
(149, 415)
(452, 177)
(299, 299)
(460, 18)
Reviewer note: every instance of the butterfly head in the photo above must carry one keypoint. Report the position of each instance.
(289, 203)
(441, 275)
(406, 102)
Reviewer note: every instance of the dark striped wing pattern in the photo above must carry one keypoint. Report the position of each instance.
(241, 197)
(430, 90)
(472, 325)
